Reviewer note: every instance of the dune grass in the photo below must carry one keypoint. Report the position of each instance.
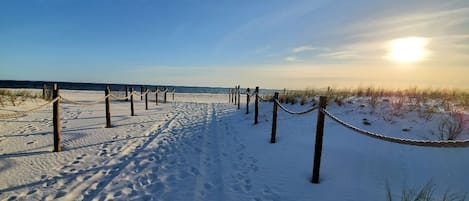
(15, 98)
(444, 107)
(413, 97)
(426, 193)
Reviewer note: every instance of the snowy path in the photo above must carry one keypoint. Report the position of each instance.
(192, 155)
(182, 160)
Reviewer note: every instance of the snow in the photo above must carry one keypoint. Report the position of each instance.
(200, 147)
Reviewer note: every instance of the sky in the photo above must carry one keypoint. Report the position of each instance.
(272, 44)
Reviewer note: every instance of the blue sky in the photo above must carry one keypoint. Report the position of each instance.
(275, 44)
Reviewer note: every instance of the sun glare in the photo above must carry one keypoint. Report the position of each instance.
(407, 50)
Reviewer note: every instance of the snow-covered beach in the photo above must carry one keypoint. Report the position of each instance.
(201, 147)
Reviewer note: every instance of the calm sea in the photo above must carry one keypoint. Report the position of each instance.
(114, 87)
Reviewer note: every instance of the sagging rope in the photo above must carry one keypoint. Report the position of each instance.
(296, 113)
(60, 98)
(102, 99)
(17, 114)
(158, 90)
(153, 92)
(424, 143)
(119, 98)
(266, 100)
(139, 95)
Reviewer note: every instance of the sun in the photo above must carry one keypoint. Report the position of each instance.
(407, 50)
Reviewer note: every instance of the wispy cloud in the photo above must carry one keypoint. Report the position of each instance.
(427, 23)
(341, 54)
(302, 49)
(291, 59)
(353, 51)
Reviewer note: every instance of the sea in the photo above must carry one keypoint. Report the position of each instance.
(117, 87)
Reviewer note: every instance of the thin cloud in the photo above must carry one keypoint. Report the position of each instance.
(437, 22)
(344, 54)
(291, 59)
(302, 49)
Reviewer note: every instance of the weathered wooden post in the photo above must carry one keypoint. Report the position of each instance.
(239, 98)
(247, 99)
(146, 99)
(56, 119)
(274, 120)
(174, 91)
(229, 95)
(156, 96)
(319, 137)
(164, 97)
(141, 93)
(126, 93)
(132, 102)
(108, 105)
(234, 94)
(256, 106)
(44, 91)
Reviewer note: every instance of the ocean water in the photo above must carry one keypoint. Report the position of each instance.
(116, 87)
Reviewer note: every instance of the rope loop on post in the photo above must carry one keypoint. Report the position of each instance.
(139, 95)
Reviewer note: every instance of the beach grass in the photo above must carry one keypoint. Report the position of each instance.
(16, 97)
(425, 193)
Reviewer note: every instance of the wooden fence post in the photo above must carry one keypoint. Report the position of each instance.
(319, 138)
(56, 119)
(141, 92)
(274, 120)
(239, 97)
(235, 94)
(165, 91)
(256, 106)
(174, 91)
(247, 100)
(156, 96)
(232, 95)
(44, 91)
(132, 102)
(108, 105)
(229, 95)
(126, 93)
(146, 99)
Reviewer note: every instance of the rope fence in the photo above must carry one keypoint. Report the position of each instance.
(55, 98)
(22, 113)
(322, 112)
(424, 143)
(97, 101)
(119, 98)
(294, 113)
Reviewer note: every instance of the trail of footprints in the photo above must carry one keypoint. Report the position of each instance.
(162, 166)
